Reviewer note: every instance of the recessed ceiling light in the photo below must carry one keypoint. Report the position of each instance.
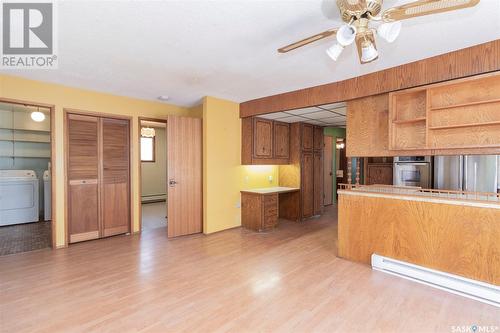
(163, 97)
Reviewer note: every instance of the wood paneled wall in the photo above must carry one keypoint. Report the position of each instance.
(451, 238)
(474, 60)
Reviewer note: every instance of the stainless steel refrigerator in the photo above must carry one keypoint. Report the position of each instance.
(474, 173)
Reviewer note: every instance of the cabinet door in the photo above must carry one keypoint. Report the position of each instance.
(262, 138)
(83, 173)
(379, 174)
(307, 137)
(307, 185)
(318, 183)
(318, 138)
(115, 176)
(281, 140)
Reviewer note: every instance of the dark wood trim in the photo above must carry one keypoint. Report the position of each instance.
(51, 107)
(479, 59)
(140, 163)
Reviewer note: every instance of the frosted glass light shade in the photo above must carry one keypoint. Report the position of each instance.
(334, 51)
(389, 31)
(346, 35)
(368, 52)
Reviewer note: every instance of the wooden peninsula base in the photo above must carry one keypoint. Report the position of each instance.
(453, 236)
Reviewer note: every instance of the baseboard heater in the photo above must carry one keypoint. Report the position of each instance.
(455, 284)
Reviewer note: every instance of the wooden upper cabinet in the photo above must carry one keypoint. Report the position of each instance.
(318, 138)
(281, 140)
(431, 120)
(263, 138)
(264, 141)
(307, 137)
(456, 114)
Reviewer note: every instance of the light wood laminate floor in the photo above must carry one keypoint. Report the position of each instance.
(285, 280)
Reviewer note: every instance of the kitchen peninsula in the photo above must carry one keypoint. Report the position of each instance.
(453, 232)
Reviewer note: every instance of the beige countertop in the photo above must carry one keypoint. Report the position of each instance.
(417, 194)
(269, 190)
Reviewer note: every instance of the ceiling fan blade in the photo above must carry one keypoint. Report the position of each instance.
(308, 40)
(425, 7)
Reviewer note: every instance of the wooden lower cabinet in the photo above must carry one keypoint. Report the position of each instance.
(259, 211)
(98, 172)
(379, 174)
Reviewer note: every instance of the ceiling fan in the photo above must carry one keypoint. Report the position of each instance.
(359, 14)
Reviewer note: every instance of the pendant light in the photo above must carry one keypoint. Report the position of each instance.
(148, 132)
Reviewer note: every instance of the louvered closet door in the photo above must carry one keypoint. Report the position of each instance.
(83, 175)
(115, 184)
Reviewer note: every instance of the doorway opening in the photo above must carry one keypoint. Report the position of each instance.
(26, 190)
(153, 149)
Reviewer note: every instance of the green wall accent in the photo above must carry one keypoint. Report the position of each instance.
(335, 133)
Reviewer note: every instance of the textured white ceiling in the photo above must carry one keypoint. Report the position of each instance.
(227, 48)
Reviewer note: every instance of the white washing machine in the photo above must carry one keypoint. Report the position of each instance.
(18, 197)
(47, 196)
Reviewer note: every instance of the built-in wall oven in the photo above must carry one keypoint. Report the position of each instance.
(413, 171)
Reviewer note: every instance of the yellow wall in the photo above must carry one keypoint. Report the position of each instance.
(65, 97)
(223, 176)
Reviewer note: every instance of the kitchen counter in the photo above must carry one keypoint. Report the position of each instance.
(410, 193)
(453, 235)
(269, 190)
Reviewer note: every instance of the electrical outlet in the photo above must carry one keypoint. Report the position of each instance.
(238, 204)
(270, 179)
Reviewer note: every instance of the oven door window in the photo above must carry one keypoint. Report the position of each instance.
(410, 176)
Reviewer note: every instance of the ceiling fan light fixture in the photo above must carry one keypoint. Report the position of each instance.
(368, 52)
(389, 31)
(346, 34)
(334, 51)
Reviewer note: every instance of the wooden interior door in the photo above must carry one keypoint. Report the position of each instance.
(307, 185)
(263, 138)
(184, 165)
(83, 177)
(115, 185)
(328, 171)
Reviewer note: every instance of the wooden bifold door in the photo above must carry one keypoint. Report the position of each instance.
(98, 174)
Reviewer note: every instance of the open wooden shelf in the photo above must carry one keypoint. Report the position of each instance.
(409, 121)
(491, 123)
(464, 104)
